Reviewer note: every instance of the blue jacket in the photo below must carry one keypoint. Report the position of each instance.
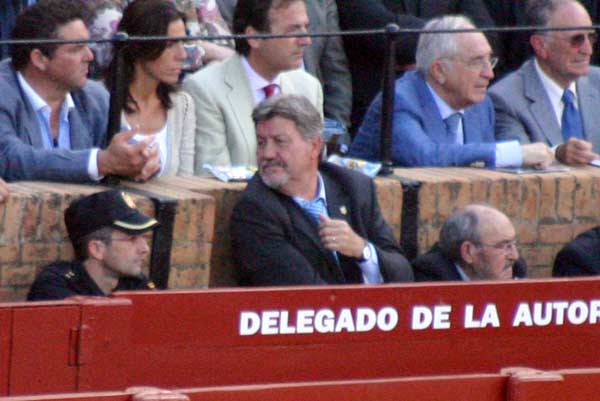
(419, 134)
(22, 156)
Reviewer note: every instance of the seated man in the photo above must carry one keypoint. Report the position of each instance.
(303, 222)
(554, 97)
(225, 93)
(442, 115)
(52, 119)
(476, 243)
(106, 230)
(580, 257)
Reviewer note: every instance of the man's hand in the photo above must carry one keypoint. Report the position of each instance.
(537, 155)
(4, 193)
(139, 160)
(575, 152)
(337, 235)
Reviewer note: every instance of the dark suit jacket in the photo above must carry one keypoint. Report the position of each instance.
(275, 242)
(580, 257)
(326, 60)
(434, 266)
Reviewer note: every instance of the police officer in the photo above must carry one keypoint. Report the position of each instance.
(106, 230)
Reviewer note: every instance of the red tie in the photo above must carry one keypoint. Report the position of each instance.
(270, 90)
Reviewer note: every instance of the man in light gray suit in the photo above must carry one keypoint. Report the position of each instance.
(52, 119)
(225, 93)
(555, 96)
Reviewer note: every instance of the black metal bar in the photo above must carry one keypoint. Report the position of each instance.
(409, 240)
(165, 209)
(387, 101)
(162, 242)
(117, 95)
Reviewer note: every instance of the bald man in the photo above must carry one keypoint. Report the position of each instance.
(477, 242)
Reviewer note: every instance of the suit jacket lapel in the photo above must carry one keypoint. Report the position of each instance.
(31, 127)
(305, 226)
(433, 119)
(540, 106)
(471, 126)
(240, 99)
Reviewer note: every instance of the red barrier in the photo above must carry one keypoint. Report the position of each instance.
(64, 346)
(195, 338)
(260, 336)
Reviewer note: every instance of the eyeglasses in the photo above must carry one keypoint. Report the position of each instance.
(505, 246)
(577, 40)
(480, 63)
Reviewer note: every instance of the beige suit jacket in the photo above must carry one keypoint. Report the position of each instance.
(224, 128)
(181, 125)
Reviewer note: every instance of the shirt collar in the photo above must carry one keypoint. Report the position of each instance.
(462, 273)
(257, 82)
(443, 107)
(36, 100)
(554, 91)
(320, 193)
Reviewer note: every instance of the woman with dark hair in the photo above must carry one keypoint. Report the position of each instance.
(153, 103)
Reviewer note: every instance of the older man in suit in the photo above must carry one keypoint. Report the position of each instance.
(442, 114)
(477, 242)
(300, 221)
(554, 97)
(225, 93)
(52, 119)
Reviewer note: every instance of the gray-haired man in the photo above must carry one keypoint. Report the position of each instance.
(477, 242)
(300, 221)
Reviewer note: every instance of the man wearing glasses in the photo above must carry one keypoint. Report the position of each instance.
(106, 230)
(442, 114)
(477, 242)
(554, 97)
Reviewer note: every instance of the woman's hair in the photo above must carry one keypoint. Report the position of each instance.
(143, 18)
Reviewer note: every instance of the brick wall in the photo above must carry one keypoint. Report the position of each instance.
(32, 233)
(547, 210)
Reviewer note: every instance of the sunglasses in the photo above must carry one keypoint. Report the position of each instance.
(576, 41)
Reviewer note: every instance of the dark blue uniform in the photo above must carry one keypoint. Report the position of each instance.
(61, 280)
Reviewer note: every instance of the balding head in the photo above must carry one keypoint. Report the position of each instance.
(481, 240)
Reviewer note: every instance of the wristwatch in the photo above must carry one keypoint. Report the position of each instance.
(366, 253)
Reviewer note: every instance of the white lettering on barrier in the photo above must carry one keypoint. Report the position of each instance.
(557, 313)
(271, 322)
(437, 317)
(424, 317)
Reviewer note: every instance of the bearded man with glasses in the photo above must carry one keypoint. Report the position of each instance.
(442, 114)
(477, 242)
(554, 97)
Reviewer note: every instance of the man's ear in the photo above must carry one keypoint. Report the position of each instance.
(96, 249)
(253, 43)
(317, 146)
(438, 71)
(538, 43)
(468, 251)
(38, 59)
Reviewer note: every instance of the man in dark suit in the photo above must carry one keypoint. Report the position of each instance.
(477, 242)
(580, 257)
(304, 222)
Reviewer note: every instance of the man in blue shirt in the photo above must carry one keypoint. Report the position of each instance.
(52, 119)
(300, 221)
(442, 114)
